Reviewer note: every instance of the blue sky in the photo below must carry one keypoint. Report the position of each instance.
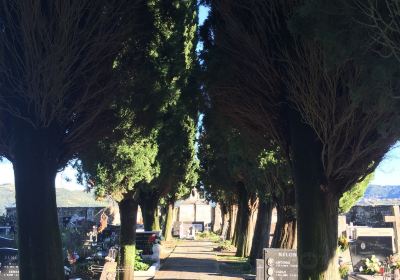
(387, 173)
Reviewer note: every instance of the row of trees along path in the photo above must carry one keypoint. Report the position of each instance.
(299, 76)
(300, 103)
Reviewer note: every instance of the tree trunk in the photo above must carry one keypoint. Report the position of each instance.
(232, 221)
(225, 220)
(316, 207)
(242, 224)
(261, 231)
(128, 208)
(237, 226)
(252, 224)
(39, 242)
(148, 202)
(285, 229)
(150, 218)
(169, 221)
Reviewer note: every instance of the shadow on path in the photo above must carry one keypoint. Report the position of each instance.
(192, 260)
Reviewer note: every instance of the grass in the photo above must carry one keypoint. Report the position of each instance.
(225, 246)
(234, 265)
(208, 235)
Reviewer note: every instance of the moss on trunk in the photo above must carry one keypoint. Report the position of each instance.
(128, 211)
(169, 221)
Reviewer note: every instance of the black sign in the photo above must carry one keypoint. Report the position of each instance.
(366, 246)
(9, 264)
(7, 243)
(280, 264)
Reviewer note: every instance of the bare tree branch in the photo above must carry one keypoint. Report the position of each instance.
(56, 63)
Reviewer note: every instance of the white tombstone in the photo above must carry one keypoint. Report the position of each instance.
(156, 252)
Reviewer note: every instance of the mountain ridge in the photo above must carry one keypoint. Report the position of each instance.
(65, 198)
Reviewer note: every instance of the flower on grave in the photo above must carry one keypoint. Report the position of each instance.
(372, 265)
(152, 239)
(343, 243)
(72, 258)
(394, 261)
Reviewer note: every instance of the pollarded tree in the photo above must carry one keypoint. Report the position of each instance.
(329, 106)
(56, 79)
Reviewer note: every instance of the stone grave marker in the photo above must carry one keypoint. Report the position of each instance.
(186, 229)
(366, 246)
(142, 241)
(9, 264)
(278, 264)
(395, 219)
(109, 271)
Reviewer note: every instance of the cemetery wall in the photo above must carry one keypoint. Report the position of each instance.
(87, 213)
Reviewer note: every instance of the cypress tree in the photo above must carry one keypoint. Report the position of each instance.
(56, 79)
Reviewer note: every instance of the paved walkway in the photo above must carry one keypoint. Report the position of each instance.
(192, 260)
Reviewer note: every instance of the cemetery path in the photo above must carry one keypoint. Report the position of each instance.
(192, 260)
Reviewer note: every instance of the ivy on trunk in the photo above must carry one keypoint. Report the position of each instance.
(128, 207)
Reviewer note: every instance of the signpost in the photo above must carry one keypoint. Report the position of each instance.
(278, 264)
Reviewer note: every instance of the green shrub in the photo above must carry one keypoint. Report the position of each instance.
(344, 271)
(343, 243)
(140, 264)
(226, 246)
(208, 235)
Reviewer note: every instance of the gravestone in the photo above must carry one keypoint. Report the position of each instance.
(109, 271)
(260, 269)
(143, 241)
(9, 264)
(184, 229)
(278, 264)
(366, 246)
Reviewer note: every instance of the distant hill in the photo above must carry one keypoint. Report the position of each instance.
(65, 198)
(380, 195)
